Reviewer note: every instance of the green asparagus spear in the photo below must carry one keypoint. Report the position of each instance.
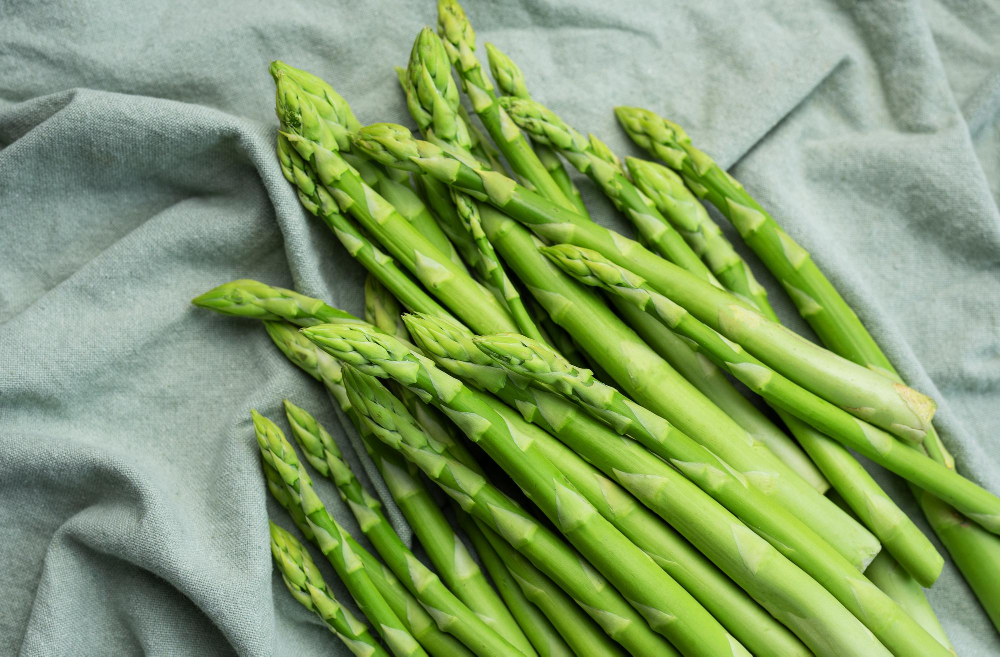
(306, 585)
(452, 348)
(882, 448)
(432, 97)
(511, 442)
(460, 42)
(536, 626)
(313, 140)
(332, 539)
(317, 200)
(630, 361)
(382, 310)
(480, 631)
(510, 81)
(594, 159)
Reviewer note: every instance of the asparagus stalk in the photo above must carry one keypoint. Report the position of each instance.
(630, 361)
(975, 502)
(317, 200)
(712, 382)
(432, 97)
(473, 613)
(453, 349)
(315, 142)
(581, 633)
(594, 159)
(538, 363)
(332, 539)
(543, 636)
(510, 81)
(482, 148)
(973, 550)
(460, 42)
(306, 585)
(688, 216)
(535, 541)
(511, 443)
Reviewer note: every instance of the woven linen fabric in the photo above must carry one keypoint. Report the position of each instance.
(137, 170)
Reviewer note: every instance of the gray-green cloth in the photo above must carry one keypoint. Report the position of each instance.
(137, 170)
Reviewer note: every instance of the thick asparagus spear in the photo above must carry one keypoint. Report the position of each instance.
(460, 41)
(332, 539)
(453, 349)
(432, 97)
(914, 466)
(316, 143)
(510, 80)
(512, 444)
(536, 626)
(973, 550)
(594, 159)
(535, 541)
(306, 585)
(477, 617)
(629, 360)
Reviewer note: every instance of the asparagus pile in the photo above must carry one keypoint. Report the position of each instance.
(550, 407)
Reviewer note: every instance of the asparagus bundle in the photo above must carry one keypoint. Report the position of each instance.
(667, 607)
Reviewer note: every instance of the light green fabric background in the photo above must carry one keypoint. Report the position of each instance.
(137, 171)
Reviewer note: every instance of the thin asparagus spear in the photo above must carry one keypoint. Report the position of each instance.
(535, 541)
(837, 325)
(629, 360)
(536, 626)
(879, 446)
(881, 615)
(453, 349)
(511, 442)
(332, 539)
(594, 159)
(510, 80)
(581, 633)
(306, 585)
(432, 97)
(869, 395)
(317, 200)
(315, 142)
(688, 216)
(460, 41)
(486, 630)
(482, 148)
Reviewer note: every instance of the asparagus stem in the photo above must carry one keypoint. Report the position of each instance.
(688, 216)
(317, 200)
(511, 442)
(973, 550)
(332, 539)
(536, 626)
(306, 585)
(316, 143)
(510, 81)
(581, 633)
(882, 448)
(432, 97)
(594, 159)
(460, 42)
